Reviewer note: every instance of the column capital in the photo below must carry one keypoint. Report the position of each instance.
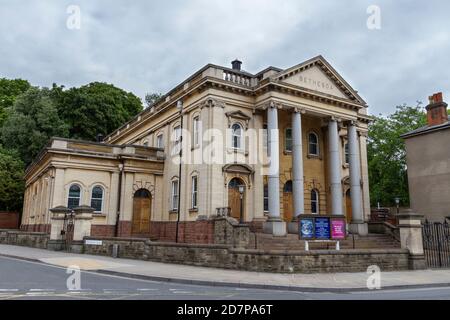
(298, 110)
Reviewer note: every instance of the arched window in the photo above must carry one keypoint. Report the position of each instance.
(288, 186)
(194, 192)
(174, 195)
(97, 199)
(236, 136)
(314, 201)
(313, 144)
(74, 196)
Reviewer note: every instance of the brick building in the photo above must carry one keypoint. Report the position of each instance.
(428, 160)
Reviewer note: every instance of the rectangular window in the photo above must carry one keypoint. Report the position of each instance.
(346, 154)
(177, 142)
(175, 195)
(288, 140)
(266, 198)
(160, 141)
(265, 138)
(194, 192)
(196, 131)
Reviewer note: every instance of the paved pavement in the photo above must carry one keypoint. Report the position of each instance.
(331, 282)
(30, 280)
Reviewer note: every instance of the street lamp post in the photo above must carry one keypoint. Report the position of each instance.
(397, 203)
(241, 193)
(180, 108)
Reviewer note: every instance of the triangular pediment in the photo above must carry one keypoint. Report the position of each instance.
(318, 75)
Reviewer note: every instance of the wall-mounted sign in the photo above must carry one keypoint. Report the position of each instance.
(306, 228)
(322, 228)
(93, 242)
(338, 228)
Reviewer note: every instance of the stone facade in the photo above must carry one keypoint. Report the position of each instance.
(26, 239)
(137, 166)
(227, 257)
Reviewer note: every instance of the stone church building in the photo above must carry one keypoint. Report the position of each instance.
(263, 148)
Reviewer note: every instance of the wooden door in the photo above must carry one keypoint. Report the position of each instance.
(142, 204)
(348, 206)
(288, 206)
(234, 198)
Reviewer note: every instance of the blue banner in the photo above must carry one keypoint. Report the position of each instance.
(322, 228)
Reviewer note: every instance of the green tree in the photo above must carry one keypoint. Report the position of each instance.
(11, 181)
(31, 122)
(151, 98)
(96, 108)
(386, 154)
(9, 90)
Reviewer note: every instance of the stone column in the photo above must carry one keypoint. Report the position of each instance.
(358, 224)
(274, 224)
(334, 168)
(410, 225)
(297, 171)
(82, 227)
(56, 241)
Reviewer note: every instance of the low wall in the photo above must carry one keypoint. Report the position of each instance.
(22, 238)
(224, 256)
(132, 248)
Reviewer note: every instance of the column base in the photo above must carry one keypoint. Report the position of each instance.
(293, 226)
(56, 245)
(276, 227)
(359, 228)
(417, 262)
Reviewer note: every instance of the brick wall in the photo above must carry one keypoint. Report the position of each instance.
(103, 230)
(36, 228)
(9, 220)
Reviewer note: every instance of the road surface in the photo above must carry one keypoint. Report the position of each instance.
(25, 280)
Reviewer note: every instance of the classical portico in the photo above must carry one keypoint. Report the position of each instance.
(334, 127)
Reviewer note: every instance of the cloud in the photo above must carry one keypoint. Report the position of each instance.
(151, 46)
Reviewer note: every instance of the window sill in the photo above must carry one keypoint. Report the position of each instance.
(195, 147)
(314, 156)
(345, 166)
(173, 211)
(241, 151)
(98, 214)
(193, 210)
(287, 153)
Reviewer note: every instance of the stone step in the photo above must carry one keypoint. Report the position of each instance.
(292, 242)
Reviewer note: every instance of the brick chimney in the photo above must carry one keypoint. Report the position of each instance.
(236, 65)
(436, 110)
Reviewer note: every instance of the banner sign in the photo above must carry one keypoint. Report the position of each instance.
(322, 228)
(338, 228)
(307, 228)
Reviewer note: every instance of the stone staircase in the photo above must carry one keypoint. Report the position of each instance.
(292, 242)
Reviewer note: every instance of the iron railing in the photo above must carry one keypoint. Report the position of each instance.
(436, 244)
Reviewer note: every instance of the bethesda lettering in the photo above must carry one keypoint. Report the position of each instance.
(201, 311)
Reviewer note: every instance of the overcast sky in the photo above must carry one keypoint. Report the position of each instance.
(151, 46)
